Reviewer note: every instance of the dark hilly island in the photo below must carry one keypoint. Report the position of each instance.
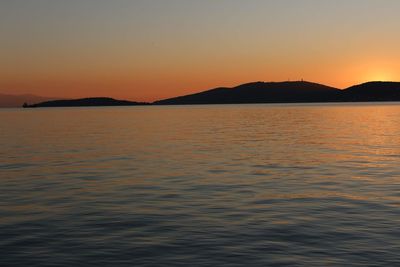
(260, 92)
(257, 92)
(373, 91)
(86, 102)
(290, 92)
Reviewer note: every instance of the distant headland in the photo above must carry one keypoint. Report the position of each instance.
(85, 102)
(13, 101)
(257, 92)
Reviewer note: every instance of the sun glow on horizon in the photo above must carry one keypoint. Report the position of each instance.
(149, 50)
(380, 76)
(379, 73)
(370, 70)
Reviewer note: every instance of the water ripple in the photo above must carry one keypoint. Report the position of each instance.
(239, 185)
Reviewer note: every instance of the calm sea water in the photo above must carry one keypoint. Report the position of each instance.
(234, 185)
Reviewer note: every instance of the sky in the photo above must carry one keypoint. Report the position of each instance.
(145, 50)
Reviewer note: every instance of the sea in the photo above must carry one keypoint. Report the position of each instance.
(206, 185)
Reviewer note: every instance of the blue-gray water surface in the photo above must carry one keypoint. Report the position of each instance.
(233, 185)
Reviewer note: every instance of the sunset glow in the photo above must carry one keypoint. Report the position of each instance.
(147, 50)
(199, 133)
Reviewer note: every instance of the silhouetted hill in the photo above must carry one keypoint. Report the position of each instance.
(261, 92)
(373, 91)
(258, 92)
(86, 102)
(13, 101)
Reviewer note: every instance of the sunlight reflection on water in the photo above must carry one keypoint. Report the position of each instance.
(234, 185)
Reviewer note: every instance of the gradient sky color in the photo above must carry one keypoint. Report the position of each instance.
(153, 49)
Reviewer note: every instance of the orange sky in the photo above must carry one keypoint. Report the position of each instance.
(147, 50)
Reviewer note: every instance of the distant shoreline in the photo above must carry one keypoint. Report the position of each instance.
(255, 93)
(188, 105)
